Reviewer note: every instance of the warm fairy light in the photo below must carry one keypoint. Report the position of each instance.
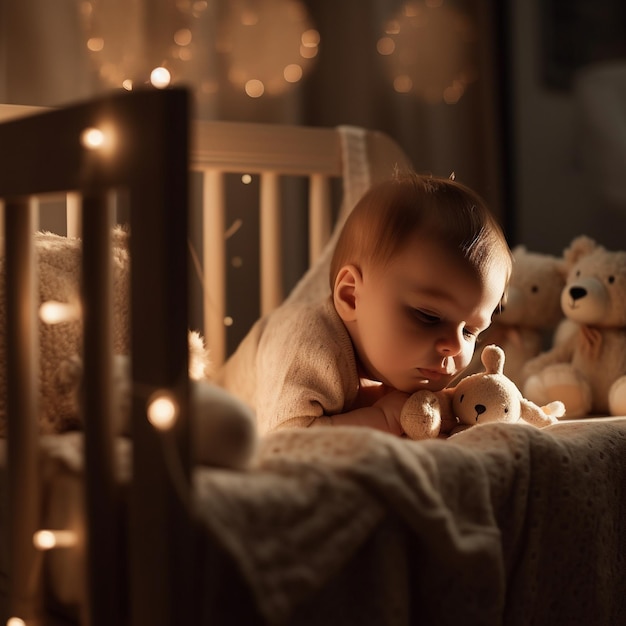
(183, 37)
(310, 38)
(49, 539)
(254, 88)
(127, 84)
(228, 321)
(385, 46)
(92, 138)
(308, 52)
(54, 312)
(430, 48)
(393, 27)
(95, 44)
(16, 621)
(402, 84)
(292, 73)
(160, 77)
(162, 410)
(246, 179)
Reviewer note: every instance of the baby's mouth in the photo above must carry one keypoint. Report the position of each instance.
(431, 375)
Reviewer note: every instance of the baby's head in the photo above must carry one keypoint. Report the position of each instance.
(446, 211)
(419, 268)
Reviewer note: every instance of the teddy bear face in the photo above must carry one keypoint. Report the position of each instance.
(533, 297)
(483, 398)
(595, 290)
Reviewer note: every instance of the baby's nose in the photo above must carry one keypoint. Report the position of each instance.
(451, 344)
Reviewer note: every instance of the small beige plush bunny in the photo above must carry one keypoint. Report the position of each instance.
(479, 398)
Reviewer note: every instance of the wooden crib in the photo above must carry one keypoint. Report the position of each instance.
(138, 538)
(143, 144)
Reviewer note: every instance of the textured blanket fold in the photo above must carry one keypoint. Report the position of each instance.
(508, 524)
(500, 524)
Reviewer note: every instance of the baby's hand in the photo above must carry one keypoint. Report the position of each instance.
(391, 405)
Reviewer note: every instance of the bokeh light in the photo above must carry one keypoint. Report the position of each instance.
(429, 48)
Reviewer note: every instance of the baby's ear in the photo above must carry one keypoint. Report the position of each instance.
(344, 295)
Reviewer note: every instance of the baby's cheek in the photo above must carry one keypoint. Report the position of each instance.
(464, 358)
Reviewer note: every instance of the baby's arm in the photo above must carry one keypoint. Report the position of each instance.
(383, 415)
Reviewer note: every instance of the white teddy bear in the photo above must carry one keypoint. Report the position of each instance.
(586, 367)
(532, 311)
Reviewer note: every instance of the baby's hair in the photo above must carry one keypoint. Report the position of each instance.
(443, 209)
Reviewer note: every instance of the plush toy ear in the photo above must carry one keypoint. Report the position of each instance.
(344, 294)
(493, 359)
(579, 247)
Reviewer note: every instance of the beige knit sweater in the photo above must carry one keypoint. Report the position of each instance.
(295, 367)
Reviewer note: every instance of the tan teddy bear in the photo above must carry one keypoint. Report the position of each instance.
(524, 327)
(479, 398)
(58, 265)
(224, 429)
(586, 367)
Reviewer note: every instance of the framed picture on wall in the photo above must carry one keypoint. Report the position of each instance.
(577, 32)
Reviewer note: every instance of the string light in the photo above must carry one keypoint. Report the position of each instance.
(162, 410)
(54, 312)
(92, 138)
(49, 539)
(160, 77)
(16, 621)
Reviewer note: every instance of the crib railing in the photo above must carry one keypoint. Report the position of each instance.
(137, 142)
(275, 152)
(271, 152)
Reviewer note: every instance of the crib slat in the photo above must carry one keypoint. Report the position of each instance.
(101, 494)
(319, 215)
(270, 236)
(73, 214)
(22, 339)
(214, 263)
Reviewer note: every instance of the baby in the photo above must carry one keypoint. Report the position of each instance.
(419, 268)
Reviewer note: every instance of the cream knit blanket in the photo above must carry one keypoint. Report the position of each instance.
(507, 523)
(500, 524)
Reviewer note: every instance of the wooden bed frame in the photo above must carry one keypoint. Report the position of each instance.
(145, 150)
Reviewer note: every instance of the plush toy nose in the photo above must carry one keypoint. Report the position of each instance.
(480, 409)
(577, 293)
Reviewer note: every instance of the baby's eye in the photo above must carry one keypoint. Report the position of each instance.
(469, 334)
(423, 316)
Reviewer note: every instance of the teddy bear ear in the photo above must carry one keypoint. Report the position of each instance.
(579, 247)
(493, 359)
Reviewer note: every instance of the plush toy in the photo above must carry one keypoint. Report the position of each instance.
(59, 266)
(479, 398)
(586, 367)
(224, 432)
(223, 428)
(524, 327)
